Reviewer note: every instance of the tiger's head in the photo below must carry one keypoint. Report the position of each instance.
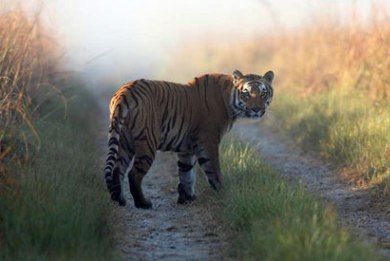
(252, 94)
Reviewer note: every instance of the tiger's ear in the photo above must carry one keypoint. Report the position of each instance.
(237, 75)
(269, 76)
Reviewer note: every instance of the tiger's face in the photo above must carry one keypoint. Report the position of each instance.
(252, 94)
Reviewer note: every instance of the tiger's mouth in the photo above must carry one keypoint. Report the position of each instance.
(254, 115)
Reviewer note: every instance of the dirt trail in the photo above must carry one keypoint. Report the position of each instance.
(371, 223)
(168, 231)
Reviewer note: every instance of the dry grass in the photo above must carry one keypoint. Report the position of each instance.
(28, 60)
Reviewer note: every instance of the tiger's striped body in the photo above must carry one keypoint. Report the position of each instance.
(189, 119)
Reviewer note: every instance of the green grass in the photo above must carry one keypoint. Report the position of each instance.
(56, 208)
(270, 219)
(344, 128)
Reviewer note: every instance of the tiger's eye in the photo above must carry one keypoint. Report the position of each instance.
(245, 93)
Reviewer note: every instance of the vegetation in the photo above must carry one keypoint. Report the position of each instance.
(51, 198)
(27, 68)
(332, 87)
(270, 219)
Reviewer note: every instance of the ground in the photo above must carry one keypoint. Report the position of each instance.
(168, 231)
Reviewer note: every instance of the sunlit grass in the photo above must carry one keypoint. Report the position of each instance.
(269, 219)
(28, 63)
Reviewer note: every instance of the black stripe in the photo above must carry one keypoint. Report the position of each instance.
(140, 134)
(113, 141)
(145, 82)
(124, 98)
(127, 145)
(208, 172)
(161, 94)
(137, 113)
(124, 161)
(164, 117)
(150, 147)
(146, 158)
(169, 145)
(134, 97)
(179, 136)
(142, 93)
(112, 150)
(219, 78)
(146, 92)
(206, 84)
(111, 157)
(184, 167)
(140, 170)
(178, 146)
(203, 161)
(109, 165)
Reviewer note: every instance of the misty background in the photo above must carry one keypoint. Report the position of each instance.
(125, 39)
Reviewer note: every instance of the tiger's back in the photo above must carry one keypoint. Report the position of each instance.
(146, 116)
(170, 114)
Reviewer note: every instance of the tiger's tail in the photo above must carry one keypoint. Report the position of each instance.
(114, 168)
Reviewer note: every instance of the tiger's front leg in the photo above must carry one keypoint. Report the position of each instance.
(208, 159)
(187, 177)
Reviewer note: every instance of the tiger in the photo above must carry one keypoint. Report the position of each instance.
(190, 119)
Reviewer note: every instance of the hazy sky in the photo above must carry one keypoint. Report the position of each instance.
(134, 37)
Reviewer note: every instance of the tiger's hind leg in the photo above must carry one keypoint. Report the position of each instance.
(187, 177)
(143, 160)
(125, 156)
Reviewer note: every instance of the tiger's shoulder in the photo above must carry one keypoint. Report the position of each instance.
(211, 79)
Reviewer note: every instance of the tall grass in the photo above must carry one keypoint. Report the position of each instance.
(270, 219)
(28, 61)
(56, 209)
(52, 203)
(332, 87)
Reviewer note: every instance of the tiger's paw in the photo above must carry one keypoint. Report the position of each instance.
(145, 204)
(122, 202)
(184, 197)
(118, 199)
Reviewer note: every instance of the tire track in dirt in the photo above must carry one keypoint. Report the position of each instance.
(168, 231)
(370, 223)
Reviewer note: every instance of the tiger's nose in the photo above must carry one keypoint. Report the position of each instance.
(256, 109)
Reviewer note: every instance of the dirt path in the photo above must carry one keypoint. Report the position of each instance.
(168, 231)
(368, 221)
